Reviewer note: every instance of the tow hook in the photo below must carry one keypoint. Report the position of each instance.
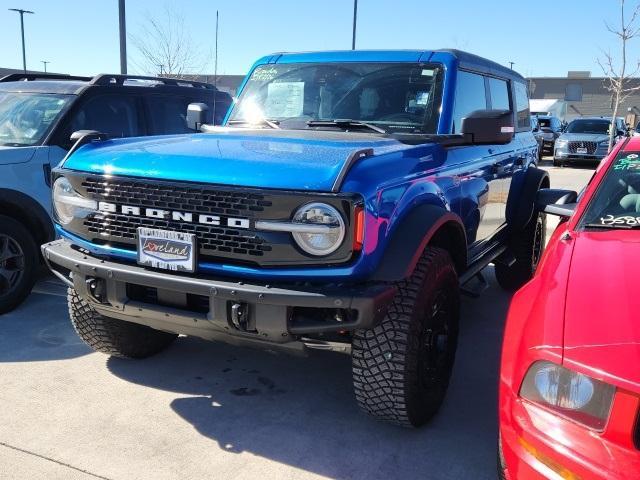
(240, 316)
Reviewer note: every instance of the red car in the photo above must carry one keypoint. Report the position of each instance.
(570, 374)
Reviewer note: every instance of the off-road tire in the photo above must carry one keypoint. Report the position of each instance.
(114, 337)
(394, 377)
(22, 266)
(526, 246)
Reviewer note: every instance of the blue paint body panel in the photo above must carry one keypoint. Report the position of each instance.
(471, 182)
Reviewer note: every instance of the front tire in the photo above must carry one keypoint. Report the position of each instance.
(114, 337)
(557, 162)
(401, 368)
(526, 246)
(19, 260)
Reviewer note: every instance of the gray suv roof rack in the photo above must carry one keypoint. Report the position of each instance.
(108, 79)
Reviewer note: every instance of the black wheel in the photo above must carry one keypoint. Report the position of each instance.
(401, 368)
(557, 162)
(19, 260)
(527, 246)
(114, 337)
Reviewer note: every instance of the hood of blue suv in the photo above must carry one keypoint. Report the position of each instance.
(287, 159)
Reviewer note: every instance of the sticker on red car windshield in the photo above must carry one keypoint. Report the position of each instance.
(620, 220)
(630, 162)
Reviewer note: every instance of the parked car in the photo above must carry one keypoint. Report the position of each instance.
(38, 113)
(550, 128)
(537, 133)
(340, 208)
(570, 376)
(586, 139)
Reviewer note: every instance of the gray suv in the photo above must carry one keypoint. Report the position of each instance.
(586, 139)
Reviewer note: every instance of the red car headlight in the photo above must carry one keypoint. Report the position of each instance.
(573, 395)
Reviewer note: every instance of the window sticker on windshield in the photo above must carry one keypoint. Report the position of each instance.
(427, 72)
(630, 162)
(264, 74)
(422, 98)
(620, 220)
(284, 99)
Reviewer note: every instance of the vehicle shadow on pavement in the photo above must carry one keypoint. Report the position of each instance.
(39, 330)
(301, 411)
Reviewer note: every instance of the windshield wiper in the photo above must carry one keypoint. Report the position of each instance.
(345, 124)
(262, 121)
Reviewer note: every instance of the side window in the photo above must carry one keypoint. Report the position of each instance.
(470, 95)
(115, 115)
(499, 94)
(522, 106)
(168, 114)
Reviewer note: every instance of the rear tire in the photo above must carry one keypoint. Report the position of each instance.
(527, 247)
(114, 337)
(401, 368)
(19, 261)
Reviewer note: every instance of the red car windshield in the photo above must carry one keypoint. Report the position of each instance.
(616, 202)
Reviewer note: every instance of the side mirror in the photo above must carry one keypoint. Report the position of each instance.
(556, 201)
(198, 114)
(82, 137)
(489, 127)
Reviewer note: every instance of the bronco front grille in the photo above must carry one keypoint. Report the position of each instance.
(215, 242)
(590, 146)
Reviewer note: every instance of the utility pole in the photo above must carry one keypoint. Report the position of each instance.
(511, 64)
(355, 21)
(44, 62)
(161, 68)
(24, 55)
(123, 37)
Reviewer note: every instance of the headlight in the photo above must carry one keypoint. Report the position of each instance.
(69, 204)
(561, 143)
(321, 228)
(581, 398)
(604, 143)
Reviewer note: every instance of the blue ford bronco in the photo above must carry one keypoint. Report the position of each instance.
(345, 203)
(38, 113)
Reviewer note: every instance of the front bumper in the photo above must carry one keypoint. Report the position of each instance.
(539, 444)
(562, 153)
(207, 307)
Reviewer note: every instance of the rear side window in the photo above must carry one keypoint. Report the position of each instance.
(115, 115)
(522, 105)
(167, 114)
(470, 96)
(499, 94)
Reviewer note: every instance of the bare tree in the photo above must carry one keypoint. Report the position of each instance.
(619, 75)
(164, 46)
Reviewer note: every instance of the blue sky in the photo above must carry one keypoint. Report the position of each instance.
(542, 37)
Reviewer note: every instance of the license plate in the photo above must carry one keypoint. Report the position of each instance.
(167, 250)
(581, 150)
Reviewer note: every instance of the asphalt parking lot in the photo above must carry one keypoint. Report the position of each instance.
(208, 410)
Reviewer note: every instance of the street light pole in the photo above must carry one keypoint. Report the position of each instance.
(24, 55)
(123, 37)
(355, 21)
(44, 62)
(511, 64)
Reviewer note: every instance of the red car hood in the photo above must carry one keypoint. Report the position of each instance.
(602, 312)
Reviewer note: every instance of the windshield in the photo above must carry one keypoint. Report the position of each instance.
(396, 97)
(599, 127)
(25, 118)
(616, 202)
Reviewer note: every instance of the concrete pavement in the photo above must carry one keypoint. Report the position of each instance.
(208, 410)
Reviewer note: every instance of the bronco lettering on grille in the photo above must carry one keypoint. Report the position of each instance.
(204, 219)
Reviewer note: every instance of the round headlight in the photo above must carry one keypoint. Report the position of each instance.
(69, 204)
(321, 230)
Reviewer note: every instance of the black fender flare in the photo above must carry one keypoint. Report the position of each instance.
(521, 202)
(423, 225)
(29, 212)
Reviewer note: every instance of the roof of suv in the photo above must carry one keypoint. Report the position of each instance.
(68, 84)
(465, 59)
